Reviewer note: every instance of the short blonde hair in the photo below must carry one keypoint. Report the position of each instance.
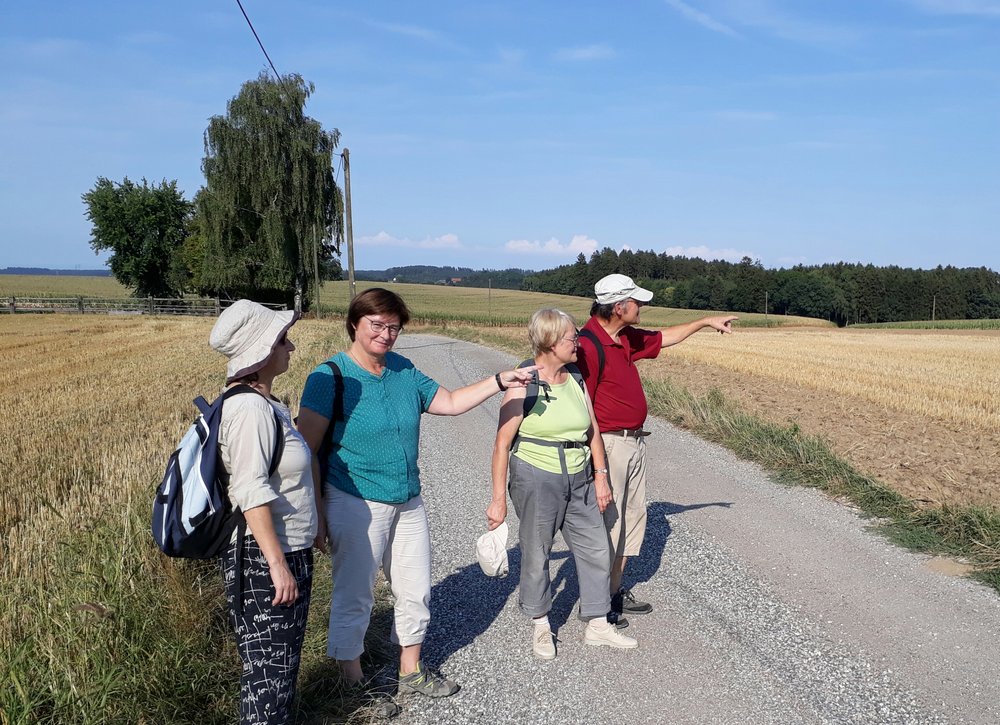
(546, 327)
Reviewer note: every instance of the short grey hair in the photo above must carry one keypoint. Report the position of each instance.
(546, 327)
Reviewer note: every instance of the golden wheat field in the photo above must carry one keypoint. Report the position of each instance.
(97, 404)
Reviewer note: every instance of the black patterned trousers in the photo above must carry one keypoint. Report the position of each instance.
(269, 638)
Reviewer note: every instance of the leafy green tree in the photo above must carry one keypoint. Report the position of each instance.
(143, 226)
(270, 205)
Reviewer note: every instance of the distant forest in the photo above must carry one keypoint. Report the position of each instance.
(842, 293)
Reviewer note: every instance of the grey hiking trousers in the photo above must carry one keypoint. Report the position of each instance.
(549, 502)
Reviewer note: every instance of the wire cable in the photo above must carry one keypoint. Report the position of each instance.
(263, 50)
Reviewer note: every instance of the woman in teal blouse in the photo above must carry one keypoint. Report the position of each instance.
(374, 512)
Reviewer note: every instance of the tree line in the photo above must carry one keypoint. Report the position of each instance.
(843, 293)
(267, 222)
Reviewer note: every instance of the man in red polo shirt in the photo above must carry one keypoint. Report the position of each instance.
(620, 407)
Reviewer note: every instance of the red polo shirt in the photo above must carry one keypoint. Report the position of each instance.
(619, 400)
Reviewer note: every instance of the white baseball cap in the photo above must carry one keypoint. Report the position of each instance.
(491, 551)
(618, 288)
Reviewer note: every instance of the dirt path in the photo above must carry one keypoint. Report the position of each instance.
(772, 604)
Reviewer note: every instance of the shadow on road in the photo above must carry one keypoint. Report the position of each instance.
(642, 568)
(465, 603)
(463, 606)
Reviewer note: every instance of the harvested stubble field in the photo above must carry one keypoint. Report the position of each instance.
(96, 625)
(919, 410)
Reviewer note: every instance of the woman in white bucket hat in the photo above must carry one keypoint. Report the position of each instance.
(267, 572)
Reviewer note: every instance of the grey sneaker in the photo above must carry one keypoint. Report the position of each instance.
(543, 643)
(427, 683)
(624, 602)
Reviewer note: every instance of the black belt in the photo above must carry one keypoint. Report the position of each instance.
(628, 433)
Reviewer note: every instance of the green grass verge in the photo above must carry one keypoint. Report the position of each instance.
(123, 634)
(969, 532)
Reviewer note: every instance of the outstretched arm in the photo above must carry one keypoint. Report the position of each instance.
(456, 402)
(680, 333)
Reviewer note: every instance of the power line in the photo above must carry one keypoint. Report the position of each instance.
(263, 50)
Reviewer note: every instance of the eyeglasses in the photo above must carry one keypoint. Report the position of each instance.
(575, 339)
(380, 327)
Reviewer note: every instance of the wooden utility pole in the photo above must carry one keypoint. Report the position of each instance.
(347, 223)
(934, 309)
(316, 267)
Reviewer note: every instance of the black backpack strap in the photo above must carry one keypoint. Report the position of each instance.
(336, 413)
(575, 373)
(338, 391)
(590, 335)
(530, 390)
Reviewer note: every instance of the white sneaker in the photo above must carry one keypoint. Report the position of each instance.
(542, 643)
(607, 635)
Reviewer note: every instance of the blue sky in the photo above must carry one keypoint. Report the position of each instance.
(498, 134)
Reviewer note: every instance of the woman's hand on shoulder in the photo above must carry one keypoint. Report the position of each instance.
(519, 377)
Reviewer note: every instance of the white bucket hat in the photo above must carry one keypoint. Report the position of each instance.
(491, 551)
(618, 288)
(246, 333)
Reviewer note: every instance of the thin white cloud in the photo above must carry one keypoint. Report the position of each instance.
(738, 115)
(417, 32)
(597, 51)
(980, 8)
(412, 31)
(707, 253)
(701, 18)
(384, 239)
(580, 243)
(767, 16)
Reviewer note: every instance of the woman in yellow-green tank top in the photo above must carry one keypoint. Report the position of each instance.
(549, 447)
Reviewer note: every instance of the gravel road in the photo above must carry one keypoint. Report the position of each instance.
(772, 604)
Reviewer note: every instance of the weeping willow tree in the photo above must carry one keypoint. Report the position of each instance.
(270, 210)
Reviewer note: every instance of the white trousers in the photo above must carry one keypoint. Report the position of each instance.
(363, 536)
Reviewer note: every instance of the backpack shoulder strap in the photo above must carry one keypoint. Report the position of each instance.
(530, 390)
(279, 432)
(575, 373)
(589, 334)
(338, 391)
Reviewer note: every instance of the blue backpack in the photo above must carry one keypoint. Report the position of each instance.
(192, 516)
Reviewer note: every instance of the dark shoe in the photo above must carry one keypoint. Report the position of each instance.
(625, 603)
(616, 619)
(426, 683)
(376, 700)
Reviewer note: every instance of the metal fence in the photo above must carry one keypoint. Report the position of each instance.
(121, 305)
